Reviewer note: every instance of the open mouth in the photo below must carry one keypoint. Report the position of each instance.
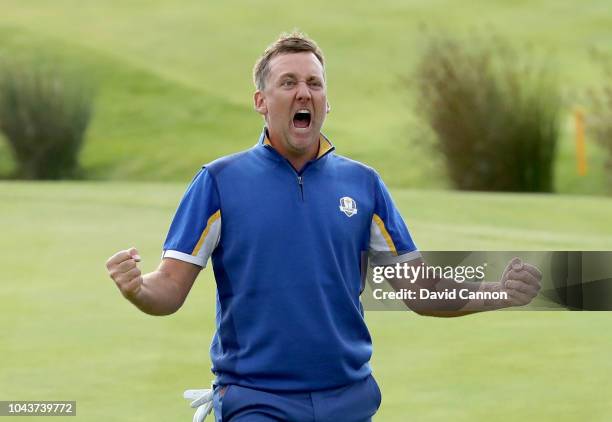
(301, 119)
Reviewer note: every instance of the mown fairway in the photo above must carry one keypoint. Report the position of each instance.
(175, 79)
(67, 334)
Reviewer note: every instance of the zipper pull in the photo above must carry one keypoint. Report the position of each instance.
(301, 185)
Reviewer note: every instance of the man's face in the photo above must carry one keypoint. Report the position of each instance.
(294, 102)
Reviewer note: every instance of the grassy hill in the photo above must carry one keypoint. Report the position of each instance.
(175, 84)
(67, 334)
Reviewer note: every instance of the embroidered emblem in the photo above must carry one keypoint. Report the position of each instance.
(348, 206)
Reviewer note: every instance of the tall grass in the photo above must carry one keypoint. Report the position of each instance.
(45, 109)
(494, 112)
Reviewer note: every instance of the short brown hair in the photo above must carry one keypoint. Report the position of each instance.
(287, 43)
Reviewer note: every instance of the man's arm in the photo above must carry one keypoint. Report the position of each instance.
(520, 282)
(161, 292)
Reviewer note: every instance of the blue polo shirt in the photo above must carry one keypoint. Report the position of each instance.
(287, 250)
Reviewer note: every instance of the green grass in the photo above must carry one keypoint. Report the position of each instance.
(176, 88)
(67, 334)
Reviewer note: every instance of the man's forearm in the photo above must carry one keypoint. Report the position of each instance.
(487, 301)
(441, 297)
(445, 297)
(158, 294)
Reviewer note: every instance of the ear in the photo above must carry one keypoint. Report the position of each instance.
(260, 103)
(328, 107)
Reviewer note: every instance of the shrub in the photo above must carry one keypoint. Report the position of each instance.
(599, 119)
(44, 112)
(494, 114)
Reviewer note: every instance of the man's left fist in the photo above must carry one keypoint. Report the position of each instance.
(521, 281)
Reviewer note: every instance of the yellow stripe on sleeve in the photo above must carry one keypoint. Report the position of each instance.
(209, 223)
(384, 233)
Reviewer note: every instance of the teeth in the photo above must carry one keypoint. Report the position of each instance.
(303, 111)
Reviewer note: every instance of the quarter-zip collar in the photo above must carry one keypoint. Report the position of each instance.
(325, 146)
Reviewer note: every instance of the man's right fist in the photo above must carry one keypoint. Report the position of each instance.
(123, 269)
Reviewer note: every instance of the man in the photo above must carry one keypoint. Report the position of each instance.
(287, 223)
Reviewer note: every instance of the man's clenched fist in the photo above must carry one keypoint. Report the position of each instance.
(123, 269)
(521, 281)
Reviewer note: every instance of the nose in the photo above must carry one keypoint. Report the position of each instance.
(303, 92)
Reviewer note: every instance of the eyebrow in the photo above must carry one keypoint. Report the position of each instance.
(294, 76)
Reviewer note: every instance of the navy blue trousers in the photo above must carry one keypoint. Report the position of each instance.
(356, 402)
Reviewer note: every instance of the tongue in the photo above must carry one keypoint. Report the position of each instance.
(301, 122)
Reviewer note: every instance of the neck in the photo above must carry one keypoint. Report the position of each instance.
(298, 159)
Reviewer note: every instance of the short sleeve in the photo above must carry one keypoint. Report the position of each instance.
(390, 240)
(196, 227)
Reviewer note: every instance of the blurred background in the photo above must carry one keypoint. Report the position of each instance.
(491, 122)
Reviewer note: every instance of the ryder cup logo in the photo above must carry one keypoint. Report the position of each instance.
(348, 206)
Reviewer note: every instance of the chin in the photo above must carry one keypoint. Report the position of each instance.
(303, 143)
(300, 146)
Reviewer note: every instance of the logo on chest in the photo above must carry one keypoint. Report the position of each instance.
(348, 206)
